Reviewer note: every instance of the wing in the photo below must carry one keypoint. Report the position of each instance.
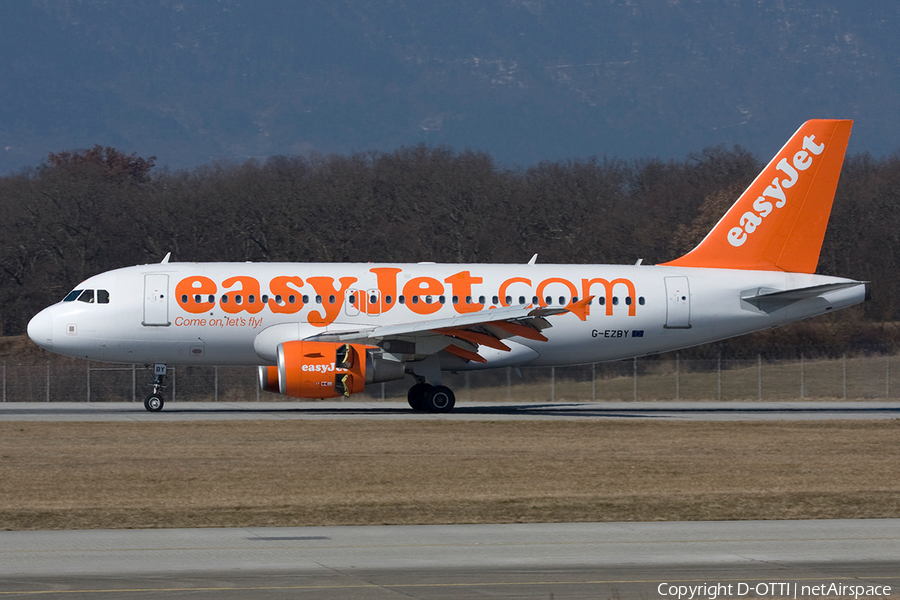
(462, 335)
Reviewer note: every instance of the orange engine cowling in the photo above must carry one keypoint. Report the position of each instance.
(320, 369)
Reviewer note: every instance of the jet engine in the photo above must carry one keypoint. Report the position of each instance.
(268, 379)
(327, 369)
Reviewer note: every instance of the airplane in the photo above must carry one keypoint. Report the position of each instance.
(326, 330)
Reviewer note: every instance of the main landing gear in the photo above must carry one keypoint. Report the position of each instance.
(155, 401)
(424, 397)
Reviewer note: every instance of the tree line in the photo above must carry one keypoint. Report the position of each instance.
(81, 213)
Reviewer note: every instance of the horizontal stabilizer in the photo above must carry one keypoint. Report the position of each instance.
(776, 298)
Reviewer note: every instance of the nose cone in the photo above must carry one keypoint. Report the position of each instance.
(40, 329)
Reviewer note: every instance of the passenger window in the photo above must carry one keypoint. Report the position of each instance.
(87, 296)
(441, 299)
(388, 299)
(292, 298)
(641, 300)
(628, 300)
(238, 299)
(548, 300)
(72, 295)
(521, 299)
(495, 299)
(509, 299)
(562, 301)
(456, 300)
(331, 299)
(305, 299)
(197, 298)
(373, 299)
(278, 299)
(184, 298)
(415, 299)
(352, 299)
(212, 298)
(401, 299)
(615, 300)
(318, 299)
(480, 299)
(251, 299)
(102, 297)
(601, 300)
(224, 298)
(468, 300)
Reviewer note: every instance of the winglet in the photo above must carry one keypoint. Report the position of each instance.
(580, 308)
(779, 222)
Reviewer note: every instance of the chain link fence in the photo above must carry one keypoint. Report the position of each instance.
(669, 378)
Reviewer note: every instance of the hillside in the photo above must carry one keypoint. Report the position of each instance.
(521, 80)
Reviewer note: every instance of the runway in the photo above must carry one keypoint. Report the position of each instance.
(482, 411)
(569, 560)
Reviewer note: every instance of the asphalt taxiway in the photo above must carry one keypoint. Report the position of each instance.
(559, 560)
(481, 411)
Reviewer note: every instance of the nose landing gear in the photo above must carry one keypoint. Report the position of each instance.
(155, 401)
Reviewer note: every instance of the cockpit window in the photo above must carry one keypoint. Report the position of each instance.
(101, 297)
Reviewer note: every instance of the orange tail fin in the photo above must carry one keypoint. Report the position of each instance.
(778, 223)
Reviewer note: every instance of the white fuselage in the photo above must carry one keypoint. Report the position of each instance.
(636, 310)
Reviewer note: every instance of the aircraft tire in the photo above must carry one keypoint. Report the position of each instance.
(154, 403)
(416, 396)
(440, 399)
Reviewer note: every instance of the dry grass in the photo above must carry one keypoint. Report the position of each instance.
(249, 473)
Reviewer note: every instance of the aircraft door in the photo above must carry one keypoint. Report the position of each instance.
(156, 300)
(353, 300)
(678, 303)
(373, 302)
